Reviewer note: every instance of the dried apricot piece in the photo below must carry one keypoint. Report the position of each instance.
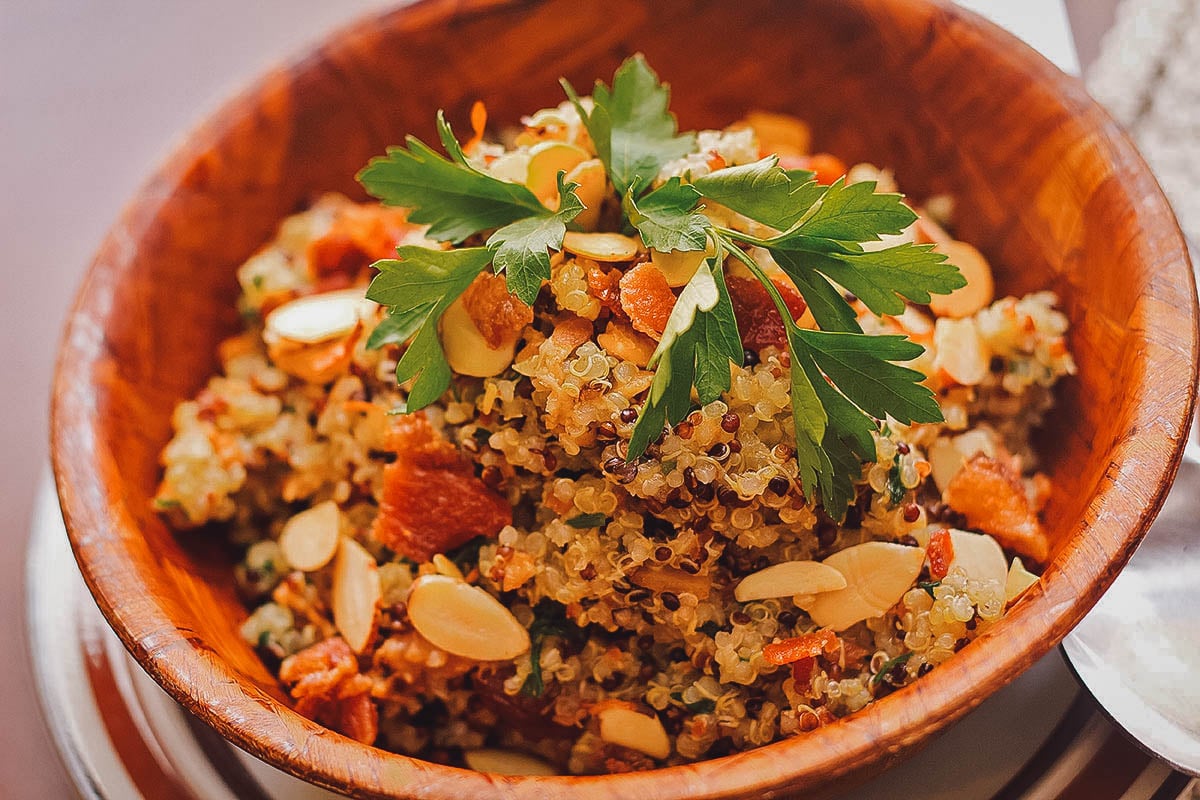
(940, 553)
(359, 235)
(603, 284)
(647, 299)
(431, 500)
(989, 493)
(499, 315)
(808, 645)
(758, 319)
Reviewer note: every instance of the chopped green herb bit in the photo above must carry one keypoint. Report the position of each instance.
(888, 666)
(588, 520)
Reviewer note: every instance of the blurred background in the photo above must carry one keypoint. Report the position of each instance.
(94, 93)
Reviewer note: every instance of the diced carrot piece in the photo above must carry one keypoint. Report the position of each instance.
(809, 645)
(828, 167)
(647, 299)
(432, 502)
(940, 553)
(499, 316)
(478, 126)
(758, 319)
(361, 233)
(989, 493)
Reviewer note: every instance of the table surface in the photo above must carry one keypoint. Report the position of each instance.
(93, 93)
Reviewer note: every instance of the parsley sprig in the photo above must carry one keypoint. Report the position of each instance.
(844, 383)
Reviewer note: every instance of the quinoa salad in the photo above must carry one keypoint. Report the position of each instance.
(507, 526)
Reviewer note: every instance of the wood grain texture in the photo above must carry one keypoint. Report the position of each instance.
(1047, 186)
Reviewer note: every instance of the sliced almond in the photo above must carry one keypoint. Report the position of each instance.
(668, 579)
(601, 246)
(625, 726)
(947, 455)
(318, 317)
(506, 762)
(788, 579)
(309, 540)
(593, 185)
(512, 167)
(546, 160)
(980, 288)
(1018, 580)
(467, 351)
(945, 460)
(877, 576)
(355, 593)
(959, 351)
(678, 266)
(465, 620)
(978, 555)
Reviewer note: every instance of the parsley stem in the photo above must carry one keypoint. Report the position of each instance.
(729, 233)
(784, 313)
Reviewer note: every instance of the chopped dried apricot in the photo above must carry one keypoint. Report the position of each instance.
(432, 501)
(359, 235)
(940, 553)
(758, 319)
(499, 315)
(828, 167)
(647, 299)
(568, 334)
(623, 342)
(808, 645)
(990, 494)
(603, 284)
(328, 688)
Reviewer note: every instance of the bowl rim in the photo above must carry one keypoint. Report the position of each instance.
(273, 732)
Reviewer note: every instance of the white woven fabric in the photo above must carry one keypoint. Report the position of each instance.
(1148, 75)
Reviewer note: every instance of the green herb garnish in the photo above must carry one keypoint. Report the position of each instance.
(888, 666)
(705, 705)
(929, 586)
(550, 619)
(895, 486)
(844, 383)
(587, 520)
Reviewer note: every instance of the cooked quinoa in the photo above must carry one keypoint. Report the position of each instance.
(624, 574)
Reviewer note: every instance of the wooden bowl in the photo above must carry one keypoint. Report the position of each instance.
(1046, 185)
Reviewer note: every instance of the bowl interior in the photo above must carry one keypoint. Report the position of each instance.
(1044, 183)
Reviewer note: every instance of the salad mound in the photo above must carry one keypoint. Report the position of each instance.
(604, 447)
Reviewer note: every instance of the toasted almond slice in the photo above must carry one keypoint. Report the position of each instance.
(593, 185)
(512, 167)
(445, 566)
(978, 555)
(546, 160)
(959, 351)
(945, 460)
(355, 593)
(464, 620)
(787, 579)
(947, 455)
(318, 317)
(678, 266)
(601, 246)
(980, 288)
(1019, 579)
(877, 576)
(625, 726)
(658, 578)
(467, 351)
(506, 762)
(309, 540)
